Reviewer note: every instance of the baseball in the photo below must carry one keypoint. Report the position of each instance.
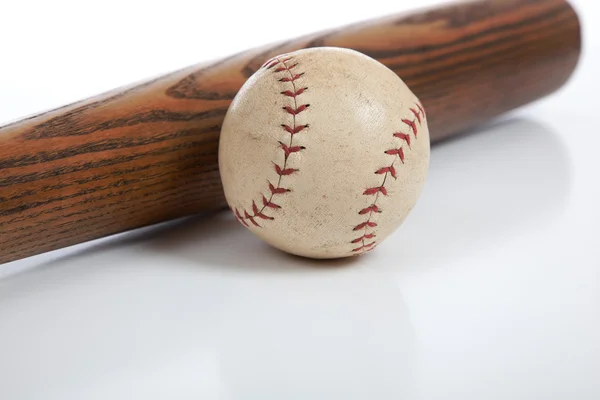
(323, 152)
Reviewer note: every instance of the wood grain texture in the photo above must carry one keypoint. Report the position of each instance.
(148, 153)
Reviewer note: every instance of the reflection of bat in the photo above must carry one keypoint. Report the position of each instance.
(148, 153)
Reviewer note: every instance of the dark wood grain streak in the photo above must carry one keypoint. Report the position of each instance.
(147, 153)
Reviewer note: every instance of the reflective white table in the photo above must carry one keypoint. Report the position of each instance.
(490, 290)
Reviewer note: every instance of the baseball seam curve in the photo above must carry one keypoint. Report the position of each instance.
(365, 241)
(288, 149)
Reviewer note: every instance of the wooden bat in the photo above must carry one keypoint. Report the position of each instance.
(148, 153)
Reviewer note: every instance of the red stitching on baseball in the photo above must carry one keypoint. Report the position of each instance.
(371, 208)
(250, 217)
(259, 213)
(365, 224)
(398, 153)
(391, 170)
(288, 148)
(422, 109)
(403, 136)
(289, 93)
(277, 190)
(295, 129)
(363, 237)
(270, 63)
(412, 124)
(364, 247)
(269, 203)
(284, 68)
(416, 115)
(376, 190)
(297, 110)
(367, 236)
(282, 171)
(291, 78)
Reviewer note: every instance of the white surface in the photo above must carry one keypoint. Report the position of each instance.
(490, 290)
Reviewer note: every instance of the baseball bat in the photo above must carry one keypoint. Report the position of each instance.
(147, 153)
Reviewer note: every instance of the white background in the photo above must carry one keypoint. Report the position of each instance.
(490, 290)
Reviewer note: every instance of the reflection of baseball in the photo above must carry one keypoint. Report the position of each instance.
(323, 152)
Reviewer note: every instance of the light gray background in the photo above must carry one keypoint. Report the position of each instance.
(491, 289)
